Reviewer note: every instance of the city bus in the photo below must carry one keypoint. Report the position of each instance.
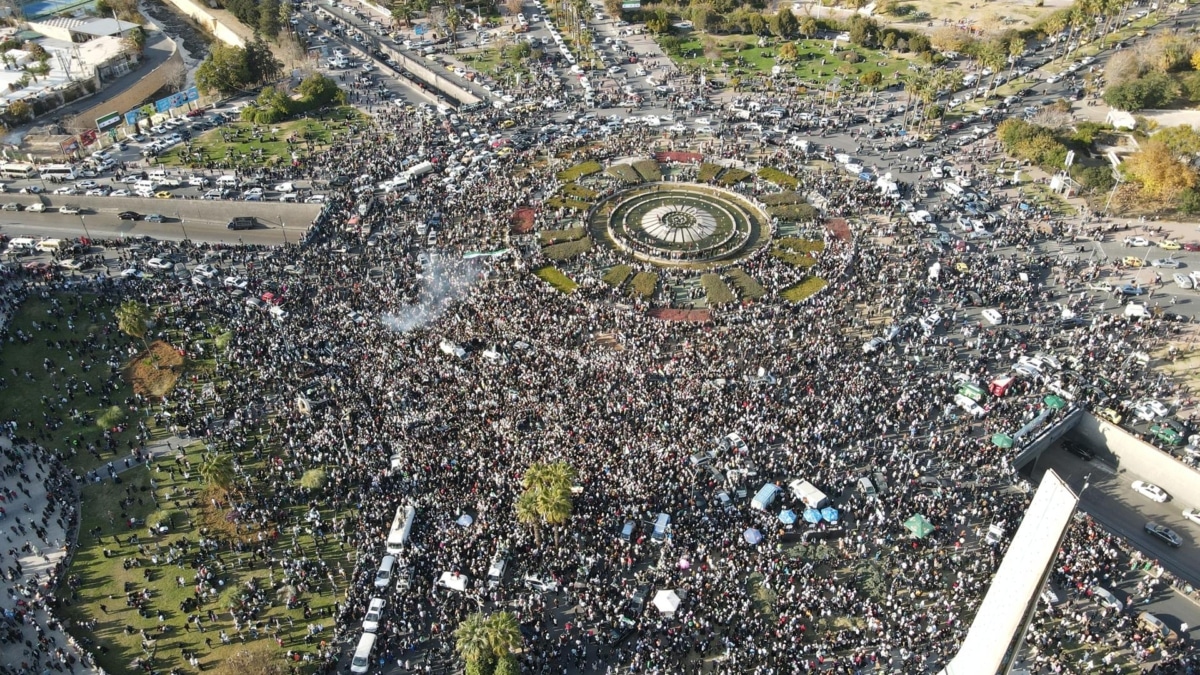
(58, 172)
(18, 171)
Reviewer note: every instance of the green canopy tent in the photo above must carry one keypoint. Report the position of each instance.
(919, 526)
(1002, 441)
(1055, 402)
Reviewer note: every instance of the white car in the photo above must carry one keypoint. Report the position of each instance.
(534, 583)
(993, 316)
(374, 615)
(236, 282)
(1150, 491)
(160, 264)
(1136, 241)
(285, 187)
(132, 273)
(207, 271)
(36, 207)
(1101, 286)
(1166, 262)
(1150, 409)
(69, 210)
(197, 181)
(120, 193)
(67, 190)
(1192, 515)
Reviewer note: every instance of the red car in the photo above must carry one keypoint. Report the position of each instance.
(195, 113)
(1191, 247)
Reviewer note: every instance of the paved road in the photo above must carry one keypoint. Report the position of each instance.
(104, 226)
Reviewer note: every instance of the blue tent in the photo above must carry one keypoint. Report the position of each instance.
(787, 517)
(812, 516)
(830, 514)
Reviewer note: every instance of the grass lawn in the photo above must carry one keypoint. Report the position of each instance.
(555, 277)
(741, 55)
(805, 289)
(234, 144)
(81, 381)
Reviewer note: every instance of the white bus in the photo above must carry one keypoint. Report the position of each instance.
(18, 171)
(58, 172)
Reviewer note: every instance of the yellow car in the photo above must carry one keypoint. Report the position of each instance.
(505, 151)
(1170, 245)
(1110, 415)
(163, 195)
(507, 124)
(1132, 261)
(961, 267)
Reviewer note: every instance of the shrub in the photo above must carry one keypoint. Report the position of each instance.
(733, 177)
(716, 290)
(795, 212)
(783, 180)
(549, 237)
(625, 173)
(110, 418)
(556, 278)
(799, 244)
(313, 479)
(579, 191)
(709, 172)
(805, 289)
(648, 169)
(746, 285)
(617, 275)
(579, 171)
(781, 198)
(567, 249)
(644, 283)
(1189, 201)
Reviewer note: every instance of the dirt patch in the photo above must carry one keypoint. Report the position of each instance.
(839, 228)
(522, 221)
(690, 315)
(679, 157)
(155, 371)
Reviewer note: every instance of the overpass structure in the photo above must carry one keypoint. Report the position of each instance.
(999, 627)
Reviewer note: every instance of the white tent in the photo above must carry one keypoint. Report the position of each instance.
(666, 601)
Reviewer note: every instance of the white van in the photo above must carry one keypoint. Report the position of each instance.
(361, 662)
(22, 244)
(765, 497)
(661, 523)
(401, 528)
(867, 487)
(383, 577)
(953, 189)
(227, 181)
(50, 245)
(145, 186)
(157, 175)
(495, 574)
(808, 493)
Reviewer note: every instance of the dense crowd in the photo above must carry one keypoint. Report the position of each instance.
(394, 418)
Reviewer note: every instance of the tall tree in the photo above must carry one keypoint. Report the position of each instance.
(217, 471)
(471, 639)
(503, 634)
(133, 319)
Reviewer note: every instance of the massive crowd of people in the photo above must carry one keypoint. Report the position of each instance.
(626, 400)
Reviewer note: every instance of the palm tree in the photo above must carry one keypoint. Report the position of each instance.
(503, 634)
(217, 471)
(133, 319)
(527, 513)
(471, 639)
(555, 508)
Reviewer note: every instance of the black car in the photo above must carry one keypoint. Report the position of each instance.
(1165, 534)
(129, 215)
(1078, 450)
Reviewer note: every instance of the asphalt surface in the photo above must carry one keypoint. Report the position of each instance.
(108, 226)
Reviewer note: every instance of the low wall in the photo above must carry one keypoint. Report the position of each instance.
(443, 83)
(134, 95)
(198, 210)
(210, 23)
(1129, 453)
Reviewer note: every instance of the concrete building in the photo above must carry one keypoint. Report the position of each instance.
(81, 30)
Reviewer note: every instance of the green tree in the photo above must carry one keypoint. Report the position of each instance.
(1189, 201)
(808, 27)
(919, 44)
(217, 471)
(471, 639)
(224, 70)
(1183, 140)
(659, 22)
(863, 31)
(503, 635)
(20, 110)
(871, 78)
(784, 23)
(134, 42)
(318, 90)
(268, 18)
(133, 319)
(787, 53)
(261, 63)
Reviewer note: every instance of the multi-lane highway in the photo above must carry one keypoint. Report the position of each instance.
(108, 226)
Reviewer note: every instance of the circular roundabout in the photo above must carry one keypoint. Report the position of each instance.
(683, 223)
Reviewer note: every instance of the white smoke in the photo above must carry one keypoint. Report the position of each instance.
(444, 282)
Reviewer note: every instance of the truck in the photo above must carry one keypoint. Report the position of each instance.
(808, 493)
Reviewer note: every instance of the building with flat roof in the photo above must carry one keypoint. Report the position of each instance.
(81, 30)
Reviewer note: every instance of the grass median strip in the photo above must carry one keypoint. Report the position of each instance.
(805, 289)
(747, 286)
(716, 290)
(579, 171)
(644, 284)
(617, 275)
(555, 277)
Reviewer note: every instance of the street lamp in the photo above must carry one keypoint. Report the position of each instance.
(85, 230)
(181, 227)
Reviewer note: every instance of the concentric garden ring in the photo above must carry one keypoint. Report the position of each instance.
(682, 223)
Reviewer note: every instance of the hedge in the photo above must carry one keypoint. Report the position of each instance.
(733, 177)
(781, 198)
(783, 180)
(800, 212)
(558, 236)
(716, 290)
(644, 283)
(560, 203)
(617, 275)
(567, 249)
(625, 174)
(648, 169)
(709, 172)
(805, 289)
(747, 286)
(579, 171)
(556, 278)
(800, 244)
(793, 258)
(579, 191)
